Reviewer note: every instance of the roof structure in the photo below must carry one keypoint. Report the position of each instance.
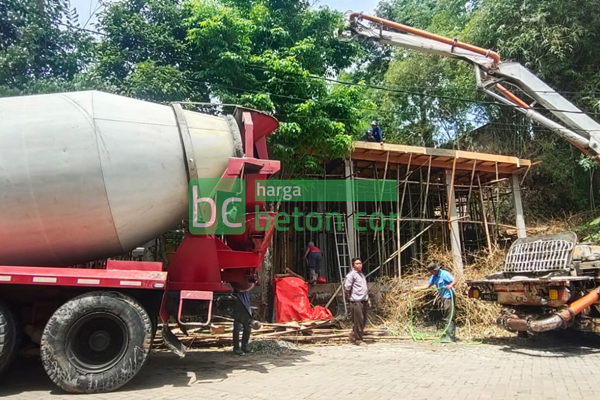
(463, 163)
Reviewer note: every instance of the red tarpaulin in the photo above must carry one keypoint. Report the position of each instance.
(291, 302)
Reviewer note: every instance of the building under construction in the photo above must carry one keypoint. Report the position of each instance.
(454, 199)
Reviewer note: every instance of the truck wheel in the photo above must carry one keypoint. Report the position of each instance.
(97, 342)
(10, 336)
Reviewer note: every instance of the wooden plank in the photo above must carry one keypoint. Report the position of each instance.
(443, 153)
(423, 160)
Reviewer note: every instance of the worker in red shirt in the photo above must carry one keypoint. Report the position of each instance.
(314, 258)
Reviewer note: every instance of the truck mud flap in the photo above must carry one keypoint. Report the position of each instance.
(172, 342)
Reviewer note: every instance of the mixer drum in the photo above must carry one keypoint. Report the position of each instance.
(89, 175)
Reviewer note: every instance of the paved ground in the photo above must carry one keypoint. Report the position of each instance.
(500, 369)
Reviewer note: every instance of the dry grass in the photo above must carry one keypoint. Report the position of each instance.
(568, 222)
(475, 319)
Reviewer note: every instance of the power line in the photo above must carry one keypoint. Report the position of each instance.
(395, 90)
(382, 88)
(336, 81)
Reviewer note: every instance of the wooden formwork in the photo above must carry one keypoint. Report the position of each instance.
(454, 199)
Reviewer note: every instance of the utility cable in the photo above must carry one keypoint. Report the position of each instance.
(369, 86)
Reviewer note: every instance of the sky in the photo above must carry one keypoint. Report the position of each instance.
(86, 7)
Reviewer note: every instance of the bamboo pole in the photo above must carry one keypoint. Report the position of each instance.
(381, 233)
(484, 217)
(408, 173)
(426, 189)
(398, 211)
(471, 184)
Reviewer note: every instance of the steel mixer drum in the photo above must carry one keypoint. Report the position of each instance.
(89, 175)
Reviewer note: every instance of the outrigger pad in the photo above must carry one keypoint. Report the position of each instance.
(172, 342)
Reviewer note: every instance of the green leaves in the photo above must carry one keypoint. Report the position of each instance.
(271, 55)
(35, 46)
(590, 231)
(150, 81)
(268, 55)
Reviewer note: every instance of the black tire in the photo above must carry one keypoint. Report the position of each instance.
(96, 343)
(10, 336)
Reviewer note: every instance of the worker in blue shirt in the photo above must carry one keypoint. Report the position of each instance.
(375, 132)
(444, 283)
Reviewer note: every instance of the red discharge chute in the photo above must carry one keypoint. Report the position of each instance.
(291, 302)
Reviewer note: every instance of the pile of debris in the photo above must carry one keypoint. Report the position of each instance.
(272, 347)
(221, 333)
(400, 309)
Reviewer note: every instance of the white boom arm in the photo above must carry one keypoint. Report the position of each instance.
(579, 129)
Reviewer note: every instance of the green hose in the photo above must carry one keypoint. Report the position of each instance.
(421, 337)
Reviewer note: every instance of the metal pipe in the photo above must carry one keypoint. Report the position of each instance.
(511, 96)
(446, 40)
(453, 42)
(576, 140)
(556, 321)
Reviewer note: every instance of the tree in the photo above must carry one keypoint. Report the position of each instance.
(557, 41)
(268, 54)
(38, 51)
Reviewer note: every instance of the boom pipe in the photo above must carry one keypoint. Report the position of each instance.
(446, 40)
(511, 96)
(556, 321)
(419, 32)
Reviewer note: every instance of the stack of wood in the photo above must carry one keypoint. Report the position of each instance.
(220, 333)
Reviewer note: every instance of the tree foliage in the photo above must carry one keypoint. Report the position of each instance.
(267, 54)
(279, 55)
(37, 51)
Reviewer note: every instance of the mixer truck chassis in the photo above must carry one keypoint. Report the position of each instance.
(95, 327)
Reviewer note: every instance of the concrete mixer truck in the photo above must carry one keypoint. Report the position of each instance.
(90, 176)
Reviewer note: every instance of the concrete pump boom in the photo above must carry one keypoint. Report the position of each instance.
(578, 129)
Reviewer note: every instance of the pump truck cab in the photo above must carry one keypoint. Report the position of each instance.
(548, 282)
(88, 176)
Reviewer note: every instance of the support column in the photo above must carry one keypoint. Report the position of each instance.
(516, 189)
(453, 225)
(350, 229)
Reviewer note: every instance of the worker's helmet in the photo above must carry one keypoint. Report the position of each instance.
(374, 123)
(433, 267)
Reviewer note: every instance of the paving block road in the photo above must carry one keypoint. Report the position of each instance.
(503, 368)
